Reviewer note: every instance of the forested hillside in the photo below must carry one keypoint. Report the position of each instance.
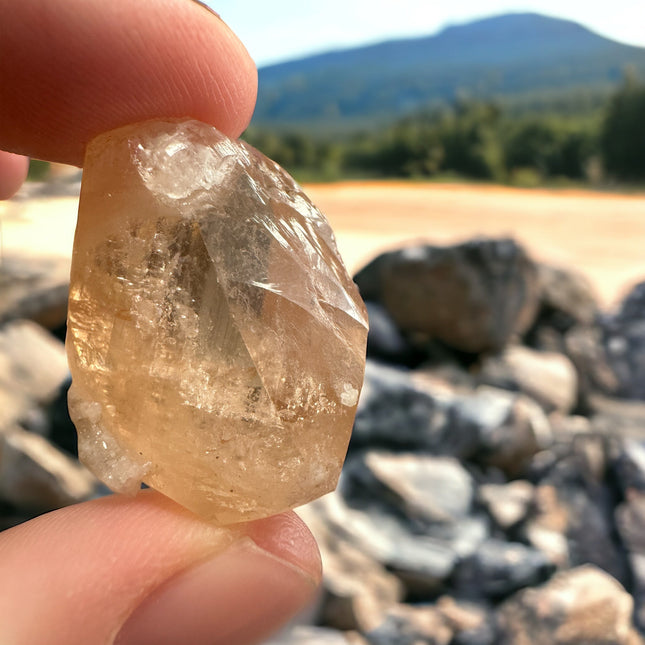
(527, 60)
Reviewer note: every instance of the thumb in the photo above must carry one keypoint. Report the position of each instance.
(144, 571)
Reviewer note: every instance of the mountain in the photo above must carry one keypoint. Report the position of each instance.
(511, 55)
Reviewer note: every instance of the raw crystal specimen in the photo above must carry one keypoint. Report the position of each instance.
(215, 339)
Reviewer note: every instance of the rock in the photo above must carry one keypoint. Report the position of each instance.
(33, 366)
(584, 346)
(34, 288)
(578, 450)
(591, 454)
(547, 377)
(421, 561)
(204, 275)
(463, 535)
(402, 410)
(583, 605)
(498, 568)
(497, 428)
(412, 625)
(309, 635)
(629, 466)
(567, 298)
(447, 377)
(507, 504)
(36, 476)
(395, 410)
(630, 522)
(13, 406)
(625, 344)
(385, 342)
(426, 500)
(63, 432)
(33, 362)
(617, 418)
(572, 521)
(357, 590)
(424, 487)
(566, 427)
(471, 623)
(369, 279)
(473, 297)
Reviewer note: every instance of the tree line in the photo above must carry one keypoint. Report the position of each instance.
(479, 140)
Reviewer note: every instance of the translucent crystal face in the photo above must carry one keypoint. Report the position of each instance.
(215, 339)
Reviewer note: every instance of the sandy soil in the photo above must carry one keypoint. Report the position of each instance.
(602, 234)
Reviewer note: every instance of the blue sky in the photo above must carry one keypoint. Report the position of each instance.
(275, 30)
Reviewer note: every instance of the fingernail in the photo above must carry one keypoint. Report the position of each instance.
(239, 596)
(210, 9)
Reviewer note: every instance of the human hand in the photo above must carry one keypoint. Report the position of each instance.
(138, 571)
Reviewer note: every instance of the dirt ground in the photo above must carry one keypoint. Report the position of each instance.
(602, 234)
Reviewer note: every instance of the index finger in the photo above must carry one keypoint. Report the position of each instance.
(72, 69)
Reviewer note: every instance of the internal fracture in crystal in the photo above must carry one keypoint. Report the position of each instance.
(215, 339)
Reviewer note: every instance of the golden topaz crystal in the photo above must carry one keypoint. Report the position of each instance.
(215, 339)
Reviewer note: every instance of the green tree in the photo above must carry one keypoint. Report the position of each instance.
(471, 140)
(623, 132)
(551, 146)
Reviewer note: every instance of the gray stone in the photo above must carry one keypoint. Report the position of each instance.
(498, 568)
(578, 454)
(507, 504)
(454, 542)
(400, 409)
(464, 535)
(584, 346)
(567, 298)
(617, 418)
(473, 418)
(473, 296)
(450, 377)
(33, 365)
(625, 344)
(424, 487)
(412, 625)
(310, 635)
(422, 561)
(583, 605)
(13, 406)
(630, 522)
(35, 289)
(395, 410)
(62, 430)
(369, 279)
(471, 623)
(547, 377)
(590, 453)
(629, 466)
(386, 342)
(497, 428)
(357, 589)
(566, 427)
(35, 475)
(572, 521)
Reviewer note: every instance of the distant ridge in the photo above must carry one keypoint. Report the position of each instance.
(504, 56)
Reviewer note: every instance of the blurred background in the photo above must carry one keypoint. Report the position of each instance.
(483, 166)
